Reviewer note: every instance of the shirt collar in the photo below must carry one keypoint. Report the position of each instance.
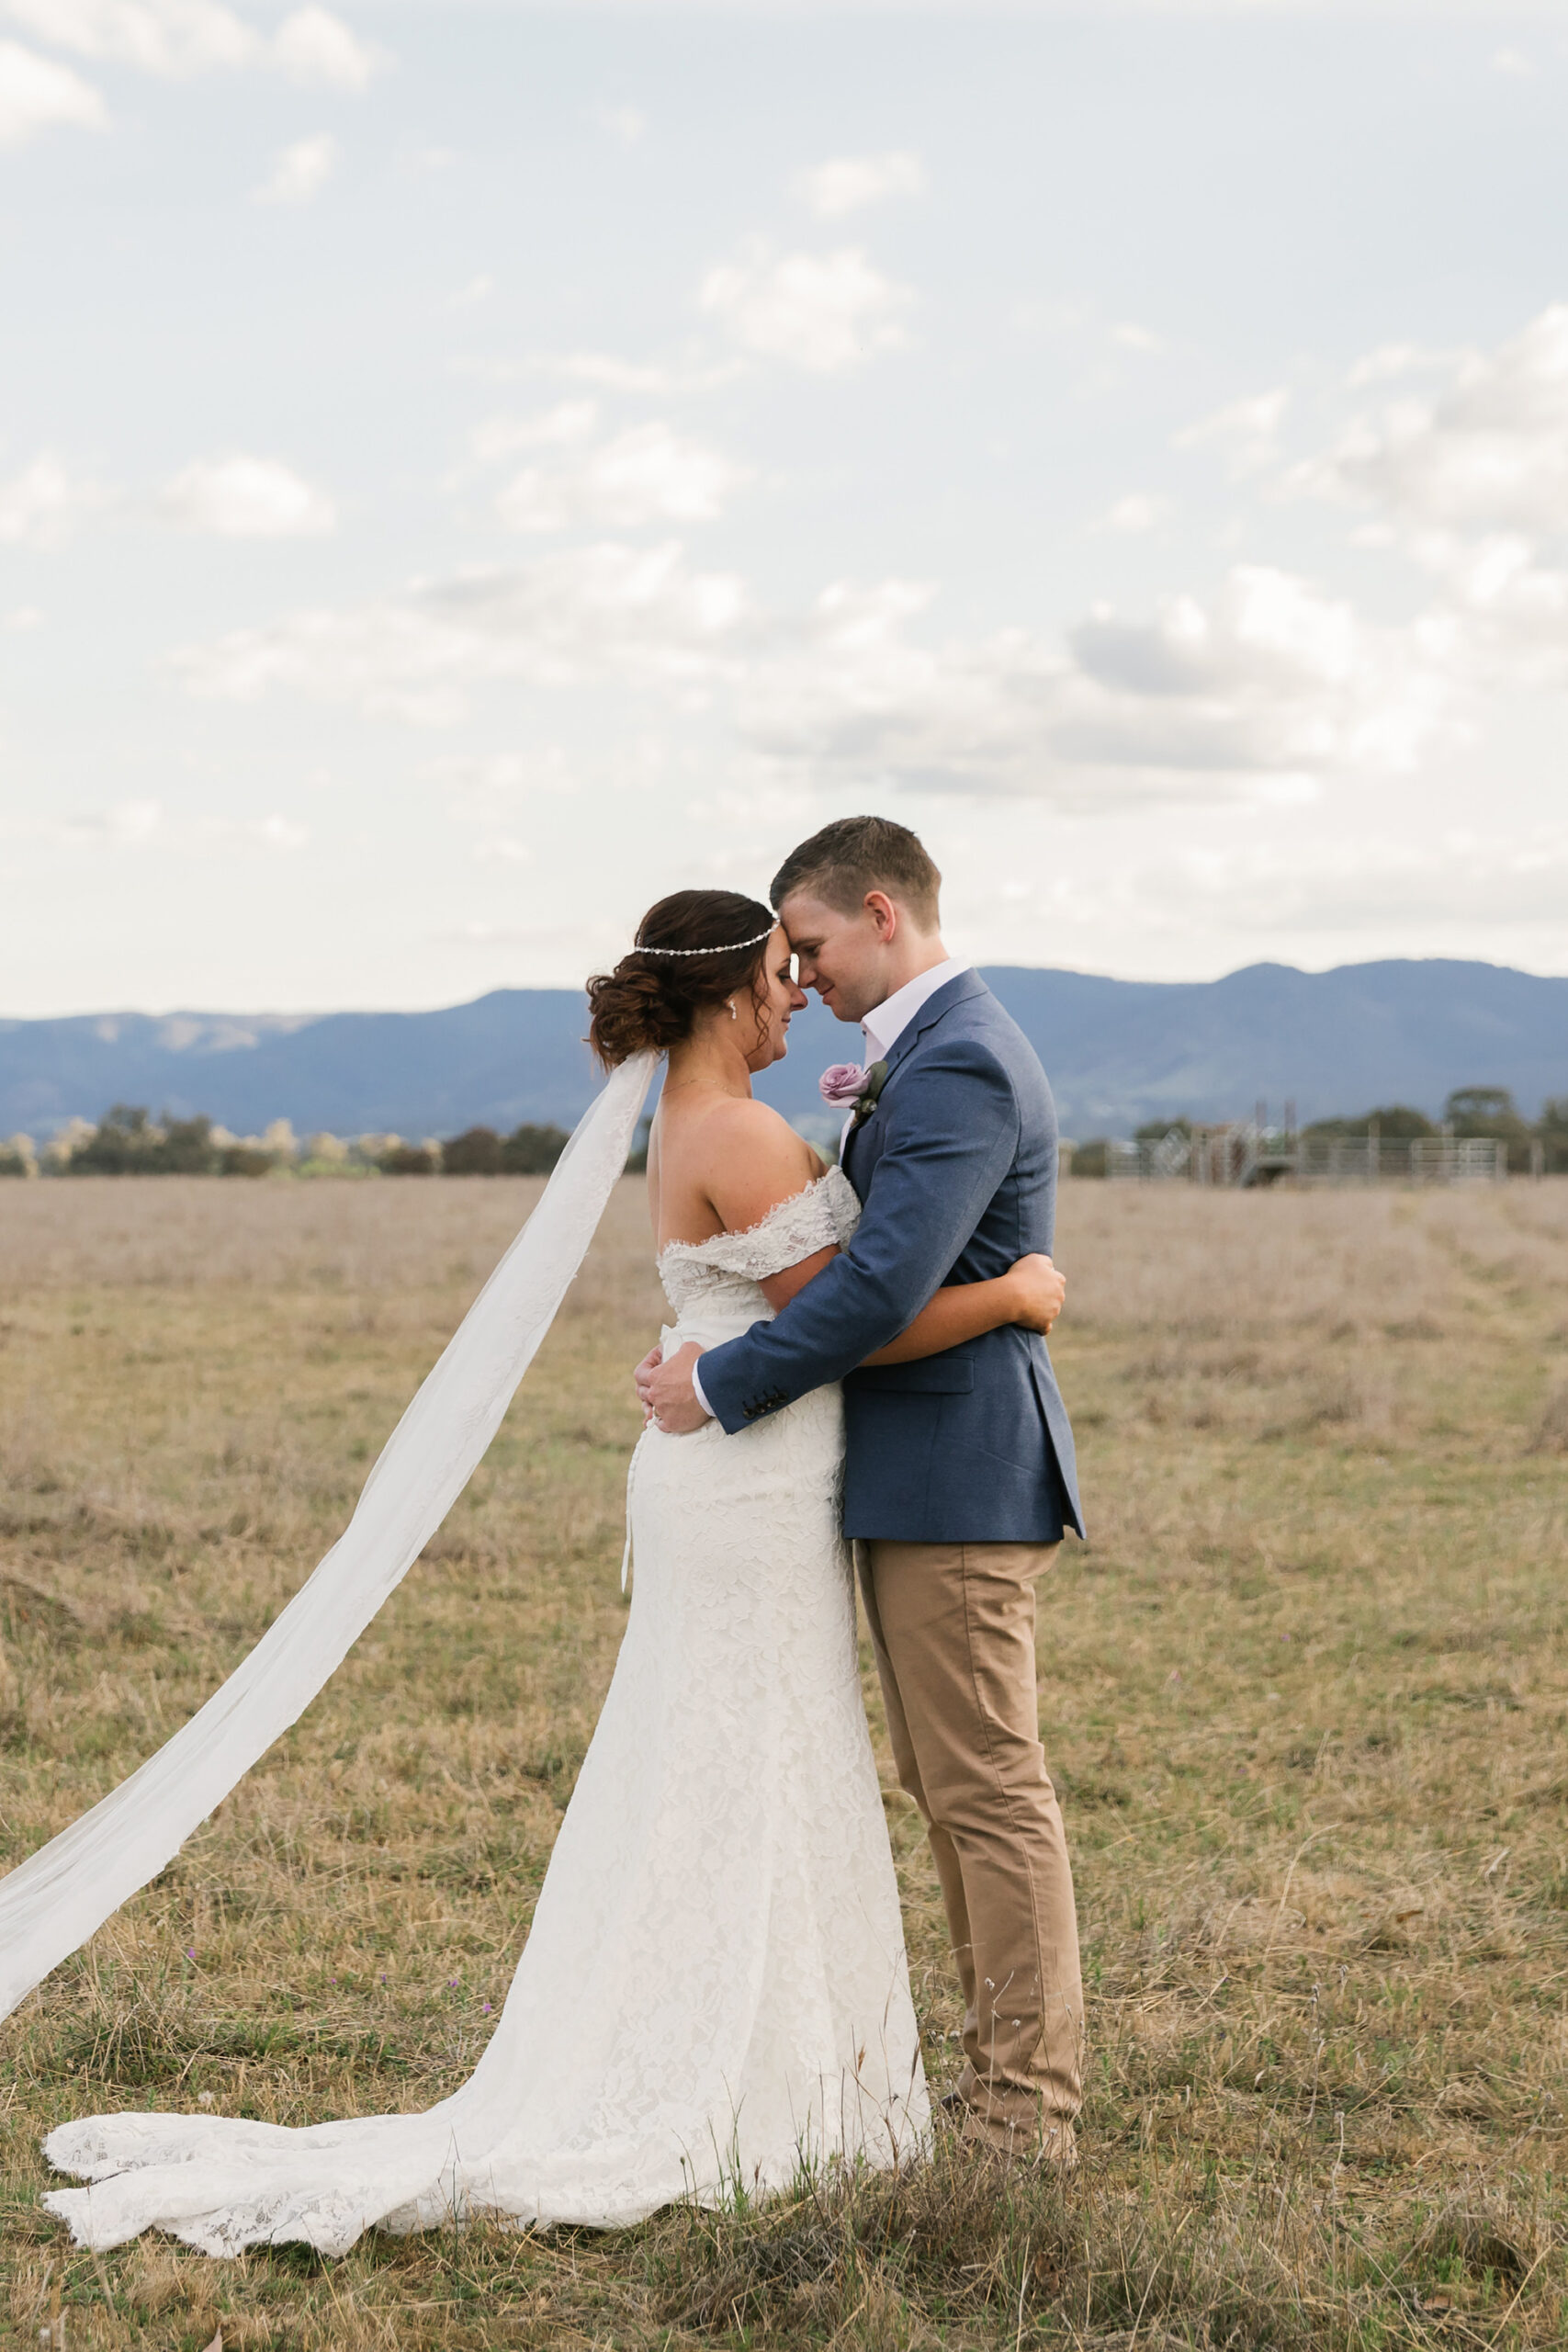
(887, 1022)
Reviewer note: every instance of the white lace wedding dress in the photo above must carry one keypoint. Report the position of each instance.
(713, 1990)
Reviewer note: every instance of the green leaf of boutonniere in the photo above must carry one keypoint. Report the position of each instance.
(865, 1100)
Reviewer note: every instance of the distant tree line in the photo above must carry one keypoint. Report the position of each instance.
(128, 1141)
(480, 1151)
(1469, 1111)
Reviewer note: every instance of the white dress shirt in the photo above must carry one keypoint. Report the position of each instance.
(887, 1022)
(882, 1029)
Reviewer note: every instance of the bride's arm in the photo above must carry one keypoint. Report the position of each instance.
(755, 1159)
(1029, 1293)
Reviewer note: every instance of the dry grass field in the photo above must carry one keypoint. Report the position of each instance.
(1307, 1693)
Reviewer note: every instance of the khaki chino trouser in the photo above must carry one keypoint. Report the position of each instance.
(953, 1630)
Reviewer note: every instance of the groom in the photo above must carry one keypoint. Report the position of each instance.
(959, 1473)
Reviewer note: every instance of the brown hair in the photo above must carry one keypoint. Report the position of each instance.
(651, 999)
(855, 855)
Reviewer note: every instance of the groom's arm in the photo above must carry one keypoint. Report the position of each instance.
(952, 1129)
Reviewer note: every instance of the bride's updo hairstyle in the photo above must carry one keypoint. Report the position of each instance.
(693, 949)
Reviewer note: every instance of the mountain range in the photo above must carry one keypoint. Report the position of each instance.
(1118, 1052)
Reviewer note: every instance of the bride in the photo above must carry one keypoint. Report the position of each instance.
(714, 1994)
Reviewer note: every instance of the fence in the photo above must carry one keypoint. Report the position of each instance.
(1245, 1154)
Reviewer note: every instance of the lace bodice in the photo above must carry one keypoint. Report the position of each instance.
(722, 1274)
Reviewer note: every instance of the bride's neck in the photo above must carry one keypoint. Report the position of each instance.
(709, 1060)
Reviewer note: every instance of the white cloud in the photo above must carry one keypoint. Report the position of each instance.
(485, 789)
(318, 49)
(267, 833)
(1256, 695)
(1490, 453)
(132, 820)
(503, 437)
(648, 474)
(1246, 431)
(824, 312)
(1392, 884)
(301, 172)
(478, 289)
(40, 506)
(627, 125)
(1515, 606)
(608, 371)
(1132, 337)
(1138, 512)
(609, 611)
(492, 793)
(1472, 485)
(616, 375)
(22, 616)
(129, 823)
(166, 37)
(1512, 63)
(37, 95)
(850, 181)
(1271, 675)
(177, 37)
(126, 820)
(1393, 359)
(1259, 693)
(850, 691)
(247, 498)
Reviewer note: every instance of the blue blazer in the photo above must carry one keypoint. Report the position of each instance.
(956, 1171)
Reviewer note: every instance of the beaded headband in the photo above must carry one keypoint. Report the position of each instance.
(732, 950)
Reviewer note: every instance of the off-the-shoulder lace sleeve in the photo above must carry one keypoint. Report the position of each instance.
(823, 1216)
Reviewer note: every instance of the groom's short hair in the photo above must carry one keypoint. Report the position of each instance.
(855, 855)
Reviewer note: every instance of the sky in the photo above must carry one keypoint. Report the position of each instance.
(468, 468)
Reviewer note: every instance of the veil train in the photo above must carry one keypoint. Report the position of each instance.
(50, 1904)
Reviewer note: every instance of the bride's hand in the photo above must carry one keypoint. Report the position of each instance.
(1039, 1291)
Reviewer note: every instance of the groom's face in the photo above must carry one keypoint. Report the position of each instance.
(842, 956)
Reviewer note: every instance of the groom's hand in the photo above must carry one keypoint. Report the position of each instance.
(643, 1375)
(667, 1392)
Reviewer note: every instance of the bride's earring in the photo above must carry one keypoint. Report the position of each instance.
(730, 1002)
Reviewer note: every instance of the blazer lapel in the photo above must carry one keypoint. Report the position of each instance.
(958, 991)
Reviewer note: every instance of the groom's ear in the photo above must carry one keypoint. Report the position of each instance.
(884, 913)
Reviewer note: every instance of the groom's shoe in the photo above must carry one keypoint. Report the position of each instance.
(1052, 2146)
(1046, 2144)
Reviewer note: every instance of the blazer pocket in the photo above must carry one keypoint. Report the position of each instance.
(932, 1376)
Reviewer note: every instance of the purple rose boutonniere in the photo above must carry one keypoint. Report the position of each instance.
(846, 1083)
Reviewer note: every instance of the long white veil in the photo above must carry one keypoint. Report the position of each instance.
(51, 1902)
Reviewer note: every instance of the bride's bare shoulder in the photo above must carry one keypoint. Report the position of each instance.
(742, 1120)
(750, 1133)
(753, 1159)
